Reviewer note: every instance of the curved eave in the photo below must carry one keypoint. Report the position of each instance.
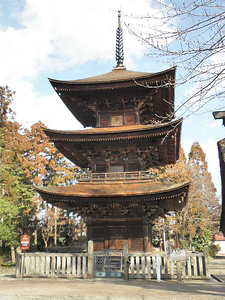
(112, 80)
(114, 133)
(123, 192)
(165, 137)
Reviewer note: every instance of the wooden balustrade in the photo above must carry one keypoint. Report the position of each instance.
(115, 176)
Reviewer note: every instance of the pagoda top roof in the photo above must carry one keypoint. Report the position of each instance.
(116, 75)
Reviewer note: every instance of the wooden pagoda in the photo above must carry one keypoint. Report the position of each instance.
(131, 129)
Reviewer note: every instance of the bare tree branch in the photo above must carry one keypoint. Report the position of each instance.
(190, 35)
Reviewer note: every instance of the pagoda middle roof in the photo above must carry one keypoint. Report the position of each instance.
(163, 140)
(110, 132)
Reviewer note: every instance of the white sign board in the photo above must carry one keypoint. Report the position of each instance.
(178, 255)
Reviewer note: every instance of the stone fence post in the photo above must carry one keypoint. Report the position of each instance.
(126, 262)
(206, 256)
(90, 260)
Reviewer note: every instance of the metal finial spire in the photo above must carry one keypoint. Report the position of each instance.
(119, 43)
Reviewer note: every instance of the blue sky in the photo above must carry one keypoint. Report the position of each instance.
(67, 39)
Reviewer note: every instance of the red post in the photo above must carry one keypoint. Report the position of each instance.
(24, 245)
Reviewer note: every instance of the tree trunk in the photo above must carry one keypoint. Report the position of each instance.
(36, 224)
(55, 232)
(13, 255)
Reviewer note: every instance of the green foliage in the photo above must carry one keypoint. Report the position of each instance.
(15, 188)
(28, 158)
(8, 219)
(66, 233)
(213, 249)
(202, 239)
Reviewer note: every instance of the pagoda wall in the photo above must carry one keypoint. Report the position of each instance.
(112, 234)
(117, 118)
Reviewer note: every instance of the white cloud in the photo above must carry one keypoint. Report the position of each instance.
(50, 110)
(186, 145)
(211, 123)
(57, 34)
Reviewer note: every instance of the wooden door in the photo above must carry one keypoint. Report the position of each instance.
(117, 235)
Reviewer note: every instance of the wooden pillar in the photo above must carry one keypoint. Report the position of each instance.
(145, 237)
(136, 116)
(142, 166)
(150, 248)
(89, 231)
(106, 237)
(98, 119)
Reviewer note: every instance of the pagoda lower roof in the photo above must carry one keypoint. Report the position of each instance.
(115, 189)
(84, 196)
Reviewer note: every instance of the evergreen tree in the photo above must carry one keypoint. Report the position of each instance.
(199, 219)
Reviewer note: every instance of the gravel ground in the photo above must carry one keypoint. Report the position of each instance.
(110, 289)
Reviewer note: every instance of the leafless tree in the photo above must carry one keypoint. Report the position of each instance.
(191, 35)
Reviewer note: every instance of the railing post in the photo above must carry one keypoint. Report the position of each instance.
(178, 265)
(158, 267)
(90, 260)
(206, 258)
(126, 261)
(18, 265)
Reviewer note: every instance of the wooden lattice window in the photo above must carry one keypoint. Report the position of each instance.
(116, 120)
(116, 168)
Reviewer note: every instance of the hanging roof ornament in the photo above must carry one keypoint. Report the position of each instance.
(119, 44)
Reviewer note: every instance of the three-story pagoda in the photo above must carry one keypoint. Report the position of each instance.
(131, 115)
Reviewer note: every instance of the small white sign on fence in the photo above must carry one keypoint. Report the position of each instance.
(178, 255)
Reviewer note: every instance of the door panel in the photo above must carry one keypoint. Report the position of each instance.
(117, 235)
